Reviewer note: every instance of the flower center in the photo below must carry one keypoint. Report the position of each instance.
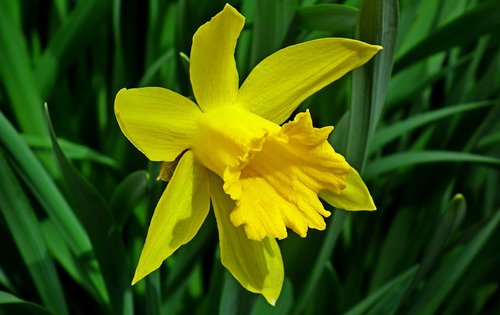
(228, 137)
(273, 173)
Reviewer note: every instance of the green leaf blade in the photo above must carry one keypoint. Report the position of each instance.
(97, 220)
(25, 230)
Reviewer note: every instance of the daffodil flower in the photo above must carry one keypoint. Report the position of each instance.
(261, 178)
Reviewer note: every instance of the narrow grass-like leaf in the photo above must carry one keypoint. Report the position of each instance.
(415, 26)
(481, 19)
(61, 7)
(440, 285)
(5, 281)
(409, 83)
(25, 229)
(76, 267)
(13, 9)
(283, 306)
(187, 256)
(397, 238)
(76, 31)
(400, 128)
(97, 220)
(119, 73)
(389, 302)
(394, 285)
(333, 232)
(235, 299)
(127, 195)
(491, 139)
(451, 220)
(10, 304)
(44, 188)
(72, 150)
(16, 73)
(153, 294)
(476, 293)
(329, 17)
(155, 67)
(211, 301)
(399, 160)
(404, 159)
(488, 126)
(271, 22)
(378, 25)
(185, 62)
(463, 82)
(489, 82)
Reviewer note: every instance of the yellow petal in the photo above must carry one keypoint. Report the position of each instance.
(178, 216)
(214, 77)
(280, 183)
(227, 137)
(278, 84)
(159, 122)
(257, 265)
(354, 197)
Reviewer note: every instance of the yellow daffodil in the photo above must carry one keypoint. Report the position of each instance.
(261, 178)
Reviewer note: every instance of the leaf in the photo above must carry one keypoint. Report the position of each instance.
(387, 134)
(84, 273)
(77, 30)
(489, 140)
(409, 83)
(446, 277)
(44, 189)
(283, 306)
(127, 195)
(10, 304)
(147, 77)
(187, 256)
(399, 160)
(452, 218)
(334, 230)
(378, 25)
(482, 19)
(271, 22)
(25, 229)
(489, 126)
(450, 221)
(71, 150)
(328, 17)
(97, 220)
(67, 228)
(15, 72)
(397, 237)
(235, 299)
(395, 285)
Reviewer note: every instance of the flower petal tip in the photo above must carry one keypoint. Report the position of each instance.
(229, 9)
(227, 6)
(136, 279)
(373, 50)
(371, 207)
(272, 295)
(369, 204)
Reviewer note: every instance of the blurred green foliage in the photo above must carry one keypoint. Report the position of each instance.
(74, 209)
